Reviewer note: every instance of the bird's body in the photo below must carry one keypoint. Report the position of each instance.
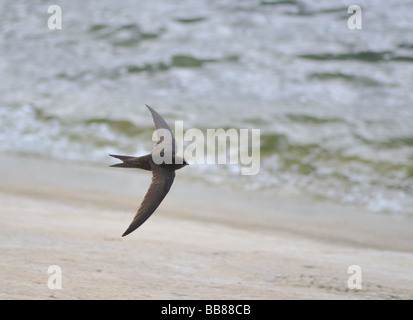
(163, 174)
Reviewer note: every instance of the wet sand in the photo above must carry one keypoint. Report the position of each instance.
(202, 243)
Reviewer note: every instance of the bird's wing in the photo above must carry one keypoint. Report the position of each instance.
(164, 133)
(162, 180)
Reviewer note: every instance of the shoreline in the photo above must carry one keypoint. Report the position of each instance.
(239, 245)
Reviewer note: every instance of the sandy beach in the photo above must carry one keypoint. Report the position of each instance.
(202, 243)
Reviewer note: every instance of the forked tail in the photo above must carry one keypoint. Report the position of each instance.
(133, 162)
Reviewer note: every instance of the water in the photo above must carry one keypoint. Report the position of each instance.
(334, 106)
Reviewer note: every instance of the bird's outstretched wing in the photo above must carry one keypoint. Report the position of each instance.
(164, 133)
(162, 180)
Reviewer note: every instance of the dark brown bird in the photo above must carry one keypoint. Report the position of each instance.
(163, 174)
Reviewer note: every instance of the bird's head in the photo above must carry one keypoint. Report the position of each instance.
(180, 162)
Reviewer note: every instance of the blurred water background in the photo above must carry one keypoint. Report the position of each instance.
(334, 106)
